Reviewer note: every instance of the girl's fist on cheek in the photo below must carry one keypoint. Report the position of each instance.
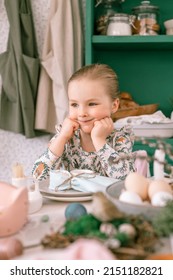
(102, 128)
(68, 128)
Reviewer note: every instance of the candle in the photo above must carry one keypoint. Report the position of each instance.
(17, 171)
(158, 167)
(18, 177)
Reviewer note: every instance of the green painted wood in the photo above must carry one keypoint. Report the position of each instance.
(89, 32)
(144, 64)
(161, 42)
(144, 75)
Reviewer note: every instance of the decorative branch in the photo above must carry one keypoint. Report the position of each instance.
(160, 144)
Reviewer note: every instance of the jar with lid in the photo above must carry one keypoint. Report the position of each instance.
(146, 20)
(104, 9)
(119, 25)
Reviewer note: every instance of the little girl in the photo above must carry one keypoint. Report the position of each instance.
(87, 138)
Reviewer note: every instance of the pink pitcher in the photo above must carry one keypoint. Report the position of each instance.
(13, 208)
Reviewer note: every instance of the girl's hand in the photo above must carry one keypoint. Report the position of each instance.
(100, 131)
(57, 144)
(68, 128)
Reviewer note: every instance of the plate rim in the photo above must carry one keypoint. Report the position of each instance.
(69, 198)
(65, 193)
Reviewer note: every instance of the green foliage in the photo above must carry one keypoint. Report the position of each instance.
(98, 234)
(163, 223)
(82, 226)
(89, 226)
(123, 238)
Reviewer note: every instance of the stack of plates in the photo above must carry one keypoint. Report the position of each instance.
(161, 130)
(66, 195)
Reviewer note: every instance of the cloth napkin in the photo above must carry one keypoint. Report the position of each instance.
(96, 184)
(157, 117)
(83, 183)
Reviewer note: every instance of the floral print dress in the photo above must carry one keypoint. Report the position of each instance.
(112, 160)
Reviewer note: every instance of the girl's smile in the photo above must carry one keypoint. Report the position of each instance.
(86, 126)
(84, 122)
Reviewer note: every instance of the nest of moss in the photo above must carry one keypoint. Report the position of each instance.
(88, 226)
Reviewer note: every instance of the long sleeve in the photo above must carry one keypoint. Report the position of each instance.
(111, 160)
(48, 161)
(114, 159)
(44, 164)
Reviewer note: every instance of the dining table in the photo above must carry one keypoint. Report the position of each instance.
(51, 218)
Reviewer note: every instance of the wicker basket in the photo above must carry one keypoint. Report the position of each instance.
(137, 111)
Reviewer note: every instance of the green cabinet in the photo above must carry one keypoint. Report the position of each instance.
(144, 64)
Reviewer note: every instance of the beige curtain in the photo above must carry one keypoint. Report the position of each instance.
(62, 56)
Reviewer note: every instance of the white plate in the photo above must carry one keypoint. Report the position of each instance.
(69, 199)
(45, 191)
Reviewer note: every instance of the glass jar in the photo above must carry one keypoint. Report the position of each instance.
(146, 19)
(119, 25)
(105, 9)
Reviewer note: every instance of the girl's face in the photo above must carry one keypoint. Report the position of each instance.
(88, 102)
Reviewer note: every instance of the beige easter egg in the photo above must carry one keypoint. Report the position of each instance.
(158, 186)
(137, 183)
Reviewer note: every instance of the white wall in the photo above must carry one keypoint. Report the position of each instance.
(15, 147)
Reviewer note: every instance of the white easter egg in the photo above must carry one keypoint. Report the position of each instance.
(158, 186)
(130, 197)
(128, 229)
(161, 198)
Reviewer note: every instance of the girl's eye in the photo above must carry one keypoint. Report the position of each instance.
(92, 104)
(73, 104)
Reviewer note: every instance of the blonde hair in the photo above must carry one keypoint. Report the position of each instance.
(101, 72)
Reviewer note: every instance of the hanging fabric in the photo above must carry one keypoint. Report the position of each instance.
(19, 68)
(62, 55)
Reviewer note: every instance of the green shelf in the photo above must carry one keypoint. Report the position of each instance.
(160, 42)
